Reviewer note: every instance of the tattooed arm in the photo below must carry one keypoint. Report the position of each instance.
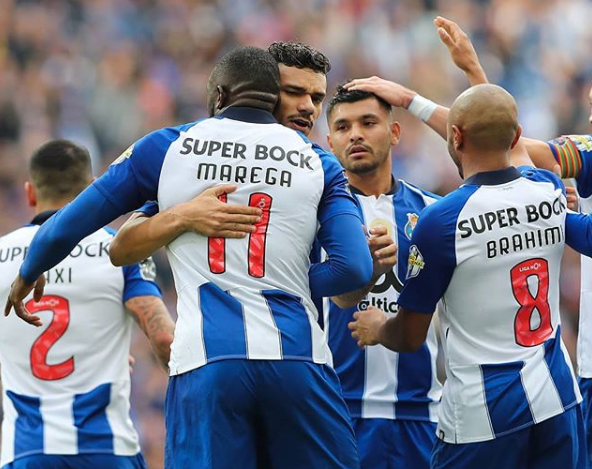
(154, 319)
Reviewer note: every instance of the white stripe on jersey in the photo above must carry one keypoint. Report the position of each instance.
(543, 398)
(585, 324)
(123, 443)
(8, 430)
(259, 326)
(59, 433)
(380, 381)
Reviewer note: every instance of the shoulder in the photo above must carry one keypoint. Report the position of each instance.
(23, 233)
(541, 175)
(427, 197)
(160, 139)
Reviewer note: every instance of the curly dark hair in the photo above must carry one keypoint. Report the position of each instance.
(351, 96)
(296, 54)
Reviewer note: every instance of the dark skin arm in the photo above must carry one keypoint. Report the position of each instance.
(405, 332)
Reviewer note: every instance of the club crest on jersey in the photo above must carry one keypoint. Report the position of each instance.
(148, 269)
(125, 155)
(415, 263)
(410, 225)
(378, 222)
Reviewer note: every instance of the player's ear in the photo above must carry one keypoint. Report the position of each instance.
(517, 136)
(457, 137)
(395, 133)
(31, 194)
(221, 97)
(329, 142)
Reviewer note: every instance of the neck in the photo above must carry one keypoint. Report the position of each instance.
(46, 206)
(473, 163)
(374, 183)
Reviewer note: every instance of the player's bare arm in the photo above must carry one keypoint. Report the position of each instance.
(384, 258)
(154, 319)
(404, 332)
(19, 290)
(206, 214)
(462, 53)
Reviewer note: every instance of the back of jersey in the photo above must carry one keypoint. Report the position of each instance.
(502, 238)
(66, 384)
(248, 298)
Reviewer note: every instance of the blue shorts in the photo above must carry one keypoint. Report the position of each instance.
(253, 414)
(556, 443)
(586, 390)
(394, 444)
(78, 461)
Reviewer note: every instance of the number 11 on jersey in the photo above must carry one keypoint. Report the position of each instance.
(256, 249)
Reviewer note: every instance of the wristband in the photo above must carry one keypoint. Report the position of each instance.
(421, 107)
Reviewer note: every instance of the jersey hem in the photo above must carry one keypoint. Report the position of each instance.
(188, 368)
(461, 441)
(35, 452)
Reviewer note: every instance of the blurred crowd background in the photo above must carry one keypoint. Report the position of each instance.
(105, 72)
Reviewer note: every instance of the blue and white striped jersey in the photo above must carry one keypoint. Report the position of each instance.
(66, 385)
(492, 251)
(242, 298)
(376, 382)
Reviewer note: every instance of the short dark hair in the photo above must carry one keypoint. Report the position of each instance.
(59, 169)
(343, 95)
(249, 68)
(296, 54)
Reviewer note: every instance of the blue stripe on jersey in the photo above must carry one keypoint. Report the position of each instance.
(349, 361)
(223, 323)
(28, 428)
(90, 418)
(414, 381)
(292, 321)
(559, 370)
(507, 403)
(412, 386)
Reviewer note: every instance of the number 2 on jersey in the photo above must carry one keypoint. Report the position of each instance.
(256, 250)
(524, 333)
(60, 308)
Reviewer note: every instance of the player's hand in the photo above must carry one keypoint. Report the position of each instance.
(383, 250)
(571, 192)
(393, 93)
(367, 327)
(461, 49)
(18, 292)
(131, 362)
(208, 215)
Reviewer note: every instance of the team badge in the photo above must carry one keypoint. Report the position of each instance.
(148, 269)
(410, 225)
(125, 155)
(415, 263)
(378, 222)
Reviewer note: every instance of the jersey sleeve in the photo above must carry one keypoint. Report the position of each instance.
(140, 280)
(132, 179)
(432, 257)
(149, 209)
(336, 198)
(578, 232)
(574, 155)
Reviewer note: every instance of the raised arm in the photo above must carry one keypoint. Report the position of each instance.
(206, 214)
(461, 52)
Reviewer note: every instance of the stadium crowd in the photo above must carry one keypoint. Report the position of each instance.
(104, 72)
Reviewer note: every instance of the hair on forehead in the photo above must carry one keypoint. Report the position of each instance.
(342, 95)
(296, 54)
